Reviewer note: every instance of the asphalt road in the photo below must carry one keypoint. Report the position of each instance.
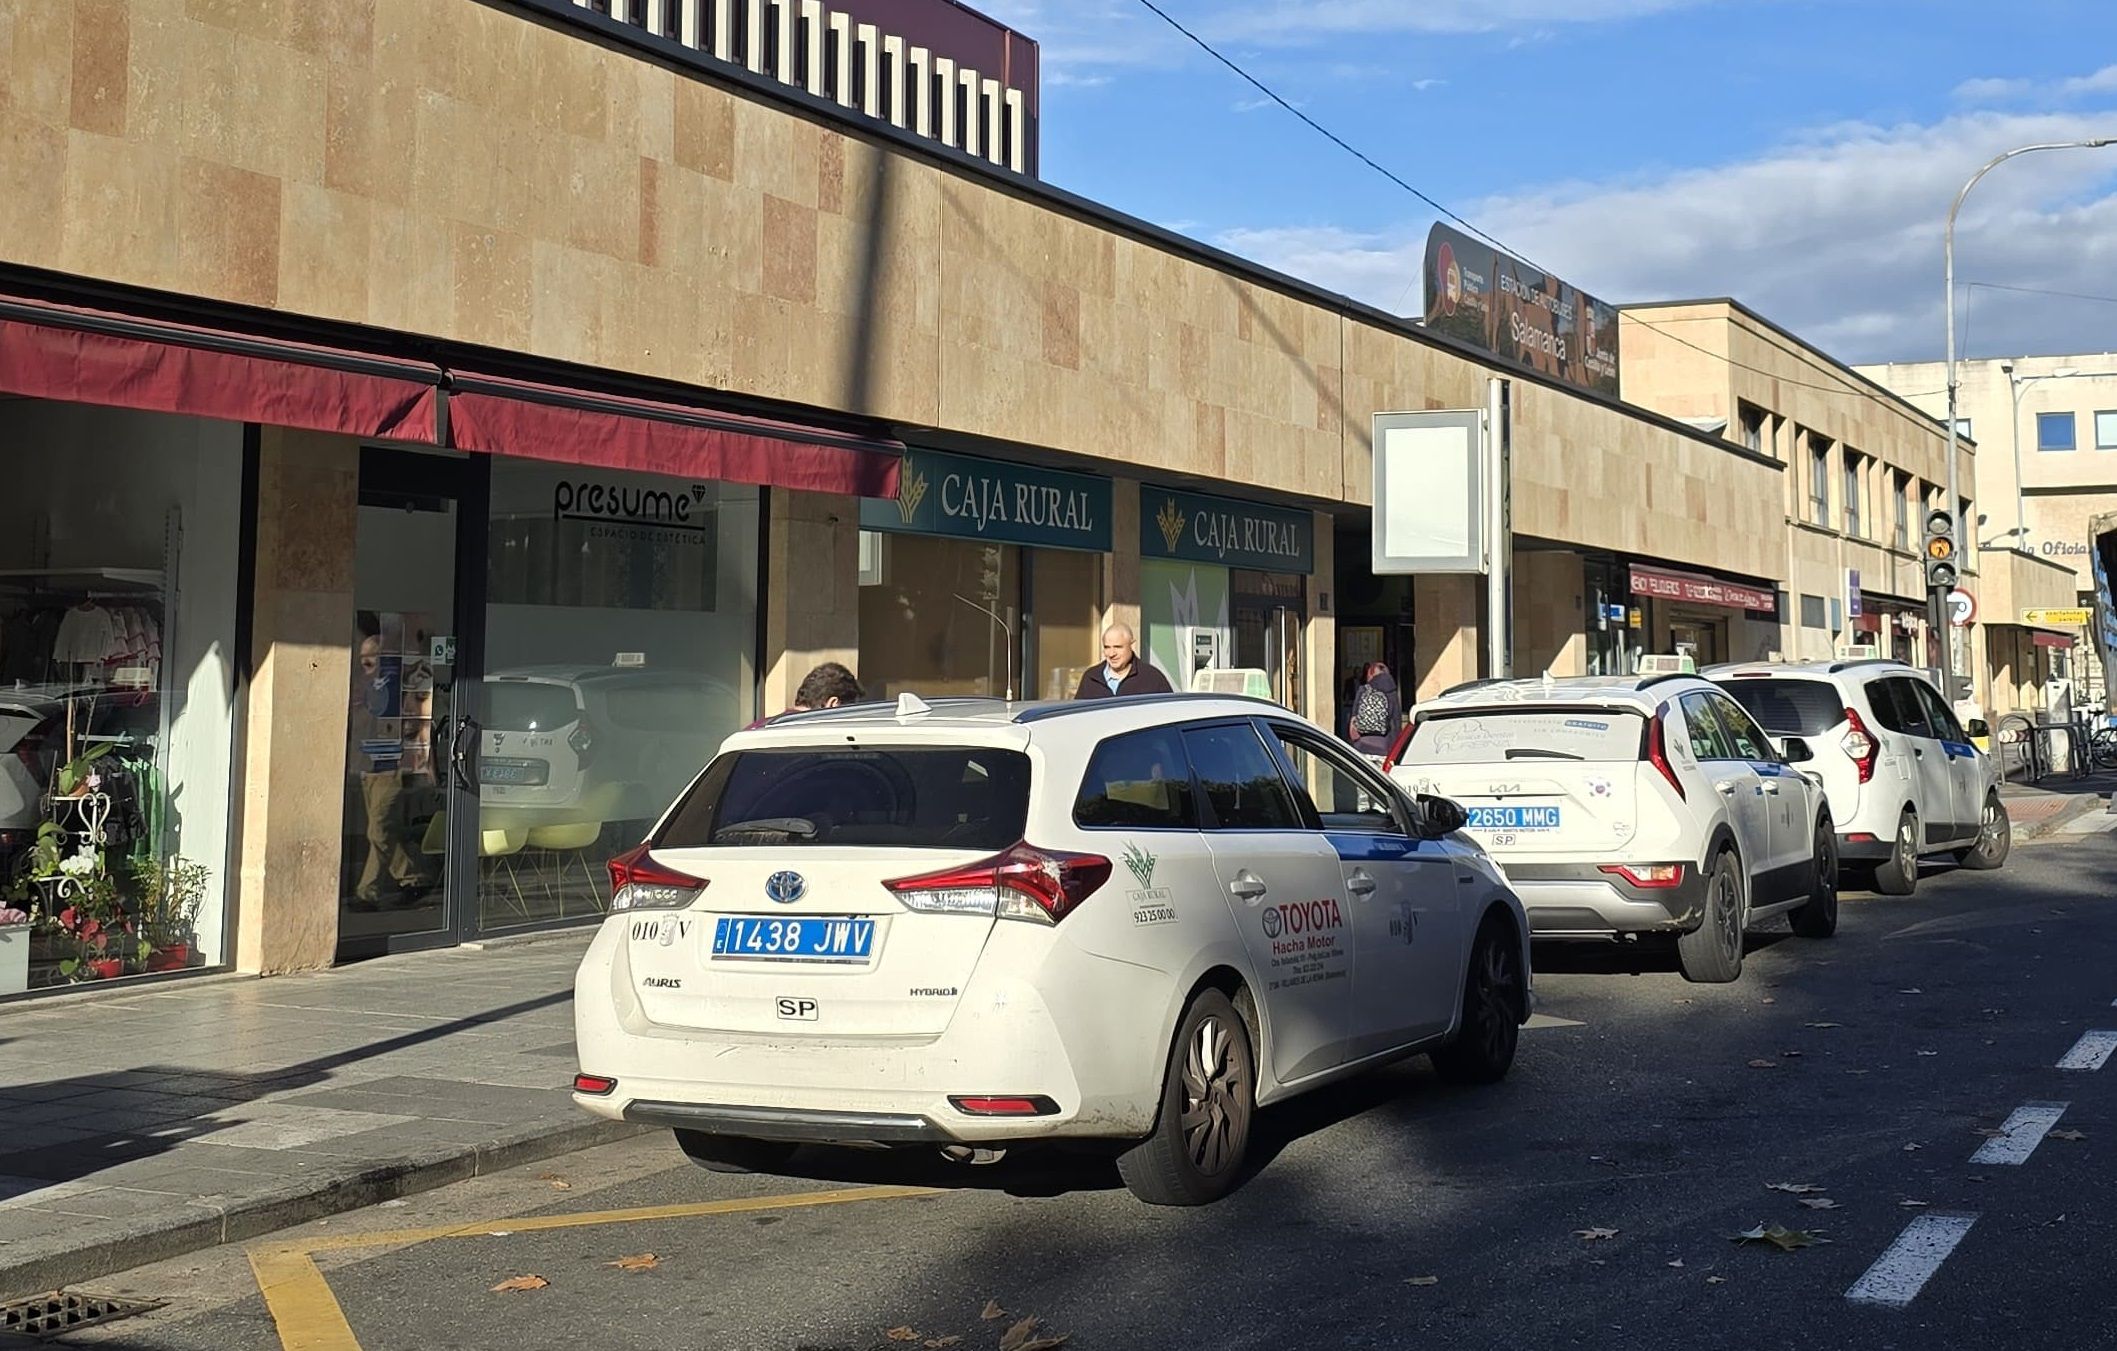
(1393, 1213)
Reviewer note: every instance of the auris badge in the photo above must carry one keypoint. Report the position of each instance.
(1140, 863)
(785, 887)
(1172, 521)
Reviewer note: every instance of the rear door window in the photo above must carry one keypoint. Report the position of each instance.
(1938, 715)
(1241, 780)
(1598, 735)
(1750, 744)
(1789, 707)
(1345, 797)
(1141, 780)
(899, 797)
(1897, 707)
(1709, 740)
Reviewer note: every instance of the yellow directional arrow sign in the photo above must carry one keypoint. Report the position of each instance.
(2058, 619)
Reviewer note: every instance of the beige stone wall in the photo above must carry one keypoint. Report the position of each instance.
(1447, 638)
(454, 170)
(294, 772)
(1550, 608)
(812, 591)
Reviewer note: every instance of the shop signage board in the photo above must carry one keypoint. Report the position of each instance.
(2059, 619)
(1524, 317)
(1697, 590)
(939, 493)
(1200, 529)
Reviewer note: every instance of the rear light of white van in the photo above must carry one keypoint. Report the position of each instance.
(1652, 876)
(637, 882)
(1860, 746)
(1042, 886)
(1658, 749)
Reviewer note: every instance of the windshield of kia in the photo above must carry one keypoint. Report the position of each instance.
(1489, 736)
(900, 797)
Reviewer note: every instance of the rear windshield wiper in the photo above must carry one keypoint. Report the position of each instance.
(767, 830)
(1533, 753)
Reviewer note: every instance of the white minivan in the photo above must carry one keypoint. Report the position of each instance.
(1626, 805)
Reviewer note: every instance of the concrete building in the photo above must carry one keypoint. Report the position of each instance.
(436, 423)
(2047, 467)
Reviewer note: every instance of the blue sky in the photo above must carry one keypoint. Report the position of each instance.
(1797, 154)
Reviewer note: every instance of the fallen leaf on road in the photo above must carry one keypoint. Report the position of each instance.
(1914, 1205)
(2069, 1135)
(558, 1184)
(643, 1261)
(1793, 1188)
(1764, 1064)
(2060, 1220)
(1767, 1000)
(1017, 1337)
(1686, 1001)
(1819, 1203)
(938, 1343)
(1779, 1236)
(1677, 1264)
(901, 1335)
(1046, 1343)
(1913, 1149)
(1592, 1235)
(513, 1283)
(1823, 1024)
(1424, 1280)
(1716, 1280)
(993, 1312)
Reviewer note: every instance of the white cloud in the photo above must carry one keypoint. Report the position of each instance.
(1990, 91)
(1836, 235)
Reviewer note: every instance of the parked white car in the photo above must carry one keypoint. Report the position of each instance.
(973, 924)
(1629, 805)
(1903, 775)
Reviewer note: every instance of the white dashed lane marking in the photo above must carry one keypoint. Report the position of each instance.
(1899, 1274)
(2021, 1133)
(2091, 1052)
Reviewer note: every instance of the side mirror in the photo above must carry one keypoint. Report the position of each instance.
(1979, 729)
(1443, 816)
(1797, 751)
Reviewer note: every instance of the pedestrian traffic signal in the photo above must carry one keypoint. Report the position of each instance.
(1941, 571)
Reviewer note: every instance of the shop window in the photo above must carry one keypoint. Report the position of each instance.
(1066, 600)
(942, 620)
(2054, 431)
(117, 712)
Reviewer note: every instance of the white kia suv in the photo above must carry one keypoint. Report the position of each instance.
(1903, 775)
(971, 924)
(1629, 805)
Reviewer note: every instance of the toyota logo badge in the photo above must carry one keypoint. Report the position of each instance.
(785, 887)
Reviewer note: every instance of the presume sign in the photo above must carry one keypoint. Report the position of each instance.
(1522, 316)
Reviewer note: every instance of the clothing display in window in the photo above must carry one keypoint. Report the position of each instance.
(85, 641)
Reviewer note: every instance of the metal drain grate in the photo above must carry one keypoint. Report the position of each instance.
(64, 1311)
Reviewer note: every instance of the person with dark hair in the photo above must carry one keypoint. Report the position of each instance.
(830, 685)
(1378, 711)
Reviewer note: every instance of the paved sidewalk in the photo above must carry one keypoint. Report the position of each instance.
(140, 1125)
(2057, 804)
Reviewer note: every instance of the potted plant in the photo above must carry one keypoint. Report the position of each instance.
(14, 950)
(171, 892)
(76, 777)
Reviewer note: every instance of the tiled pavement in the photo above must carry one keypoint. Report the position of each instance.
(137, 1125)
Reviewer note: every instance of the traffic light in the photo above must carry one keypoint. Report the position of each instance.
(1941, 572)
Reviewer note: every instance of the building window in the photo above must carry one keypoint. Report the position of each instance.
(1853, 467)
(1814, 614)
(2054, 431)
(1753, 429)
(1819, 481)
(1903, 511)
(1962, 428)
(2106, 431)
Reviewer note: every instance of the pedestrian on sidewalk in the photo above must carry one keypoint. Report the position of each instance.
(830, 685)
(1121, 672)
(1378, 711)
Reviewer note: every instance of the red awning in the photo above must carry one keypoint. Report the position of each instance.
(2058, 640)
(1697, 590)
(545, 422)
(50, 351)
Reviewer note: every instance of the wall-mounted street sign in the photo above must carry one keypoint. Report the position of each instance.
(2058, 619)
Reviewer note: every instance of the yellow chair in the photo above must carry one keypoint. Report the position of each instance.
(576, 836)
(499, 844)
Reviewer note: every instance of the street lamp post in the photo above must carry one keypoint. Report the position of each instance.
(1955, 500)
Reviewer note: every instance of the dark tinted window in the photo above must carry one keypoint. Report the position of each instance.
(1139, 779)
(1709, 740)
(1790, 707)
(897, 797)
(1742, 733)
(1241, 779)
(529, 706)
(1897, 707)
(1938, 715)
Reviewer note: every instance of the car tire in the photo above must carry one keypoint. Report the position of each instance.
(1208, 1101)
(734, 1153)
(1495, 992)
(1819, 918)
(1711, 954)
(1899, 875)
(1995, 838)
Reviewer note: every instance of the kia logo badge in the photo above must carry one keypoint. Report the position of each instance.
(785, 887)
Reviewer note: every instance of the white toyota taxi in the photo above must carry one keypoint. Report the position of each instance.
(971, 924)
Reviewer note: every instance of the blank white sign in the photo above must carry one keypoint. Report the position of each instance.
(1430, 496)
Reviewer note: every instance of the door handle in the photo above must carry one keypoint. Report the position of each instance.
(1918, 752)
(459, 740)
(1360, 884)
(1727, 787)
(1771, 789)
(1248, 885)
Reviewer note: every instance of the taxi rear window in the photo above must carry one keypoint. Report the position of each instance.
(1490, 736)
(1787, 706)
(897, 797)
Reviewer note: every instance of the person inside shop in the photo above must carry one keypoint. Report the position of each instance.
(393, 796)
(830, 685)
(1378, 711)
(1121, 672)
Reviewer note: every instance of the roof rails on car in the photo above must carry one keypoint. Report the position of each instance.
(1651, 681)
(1838, 666)
(1045, 712)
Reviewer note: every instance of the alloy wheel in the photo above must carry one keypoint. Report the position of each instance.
(1729, 913)
(1214, 1121)
(1495, 991)
(1988, 837)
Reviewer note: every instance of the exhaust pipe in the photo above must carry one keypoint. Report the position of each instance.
(973, 1155)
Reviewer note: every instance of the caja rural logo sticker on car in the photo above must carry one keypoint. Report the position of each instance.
(1150, 904)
